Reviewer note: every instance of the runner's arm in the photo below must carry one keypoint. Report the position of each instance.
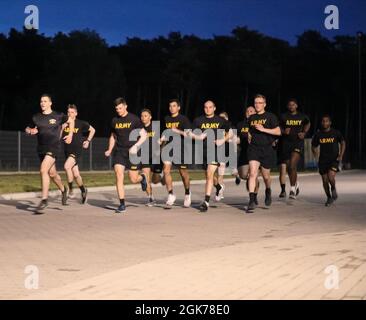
(200, 137)
(305, 130)
(315, 151)
(91, 134)
(143, 137)
(89, 138)
(274, 132)
(342, 150)
(184, 133)
(32, 128)
(111, 144)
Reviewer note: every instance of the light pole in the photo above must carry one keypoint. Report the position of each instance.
(359, 39)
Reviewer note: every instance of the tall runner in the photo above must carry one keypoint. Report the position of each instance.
(294, 126)
(178, 124)
(332, 148)
(220, 129)
(47, 126)
(122, 147)
(263, 129)
(243, 162)
(74, 150)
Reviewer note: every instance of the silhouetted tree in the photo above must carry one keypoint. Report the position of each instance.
(79, 67)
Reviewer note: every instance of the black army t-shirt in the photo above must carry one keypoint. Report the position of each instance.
(122, 127)
(296, 123)
(80, 129)
(329, 144)
(179, 122)
(152, 140)
(217, 124)
(242, 132)
(269, 121)
(49, 127)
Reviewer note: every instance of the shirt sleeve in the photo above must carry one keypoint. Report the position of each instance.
(33, 123)
(306, 120)
(274, 121)
(138, 124)
(340, 137)
(112, 128)
(86, 127)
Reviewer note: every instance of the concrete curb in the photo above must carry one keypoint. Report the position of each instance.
(55, 193)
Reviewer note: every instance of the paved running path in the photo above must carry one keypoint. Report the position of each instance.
(88, 252)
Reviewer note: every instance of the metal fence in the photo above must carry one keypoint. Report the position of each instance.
(18, 152)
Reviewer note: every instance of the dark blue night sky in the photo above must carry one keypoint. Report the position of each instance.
(116, 20)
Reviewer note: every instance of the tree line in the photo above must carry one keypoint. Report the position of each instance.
(81, 68)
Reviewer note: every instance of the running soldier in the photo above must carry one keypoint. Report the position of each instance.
(332, 147)
(294, 127)
(263, 129)
(219, 127)
(176, 124)
(242, 140)
(74, 150)
(47, 125)
(122, 147)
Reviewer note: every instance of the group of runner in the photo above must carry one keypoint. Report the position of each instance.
(259, 139)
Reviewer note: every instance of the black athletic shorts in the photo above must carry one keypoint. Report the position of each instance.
(243, 158)
(285, 149)
(213, 163)
(52, 151)
(178, 165)
(155, 168)
(328, 166)
(121, 156)
(265, 155)
(72, 154)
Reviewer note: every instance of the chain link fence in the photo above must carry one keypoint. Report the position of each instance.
(18, 152)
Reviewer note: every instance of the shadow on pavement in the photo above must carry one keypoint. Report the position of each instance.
(27, 205)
